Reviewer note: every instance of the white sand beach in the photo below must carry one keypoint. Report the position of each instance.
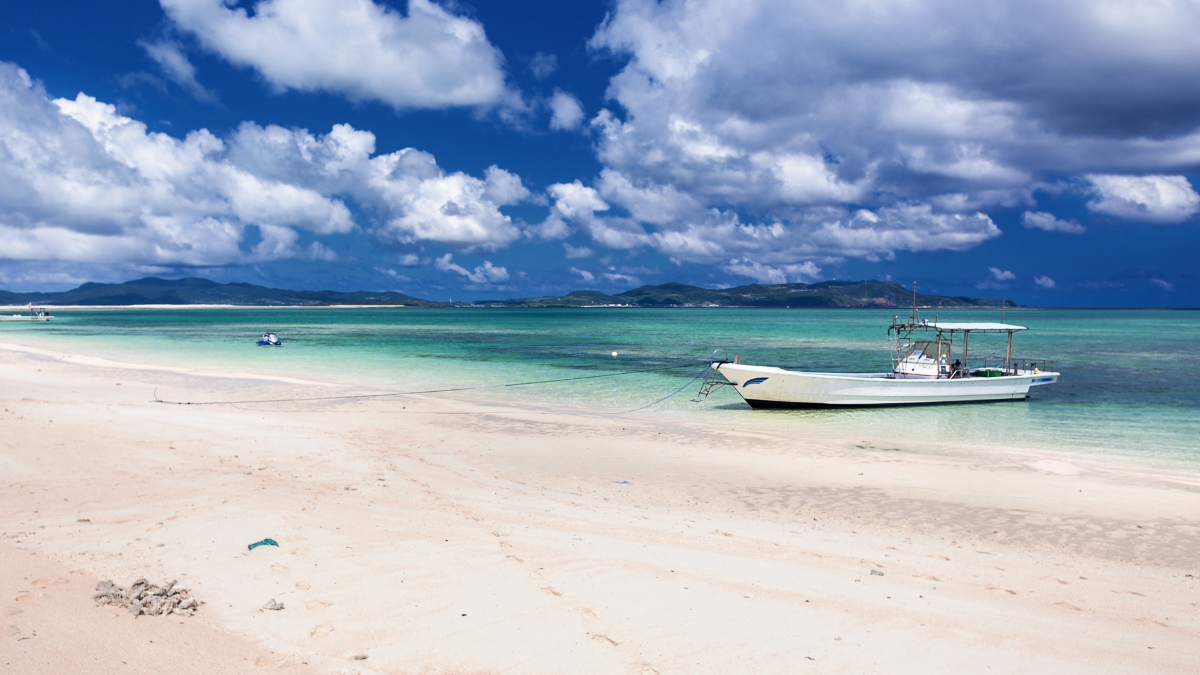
(433, 534)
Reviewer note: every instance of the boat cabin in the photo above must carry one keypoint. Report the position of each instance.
(924, 358)
(942, 351)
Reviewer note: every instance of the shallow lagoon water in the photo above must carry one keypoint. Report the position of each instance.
(1130, 385)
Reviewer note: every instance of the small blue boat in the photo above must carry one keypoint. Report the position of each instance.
(269, 340)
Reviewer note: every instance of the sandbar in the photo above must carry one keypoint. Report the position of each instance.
(437, 534)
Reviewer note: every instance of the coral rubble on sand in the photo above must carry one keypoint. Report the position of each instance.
(142, 597)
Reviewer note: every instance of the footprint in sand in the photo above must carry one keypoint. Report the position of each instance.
(280, 568)
(48, 581)
(321, 631)
(316, 606)
(303, 585)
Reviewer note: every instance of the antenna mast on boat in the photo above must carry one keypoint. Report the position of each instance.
(1003, 302)
(914, 316)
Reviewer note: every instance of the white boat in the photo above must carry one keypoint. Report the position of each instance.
(929, 366)
(35, 314)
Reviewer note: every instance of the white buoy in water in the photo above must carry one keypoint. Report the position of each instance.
(614, 355)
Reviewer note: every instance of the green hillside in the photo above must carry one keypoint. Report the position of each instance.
(881, 294)
(192, 291)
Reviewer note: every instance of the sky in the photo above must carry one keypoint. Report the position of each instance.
(1043, 151)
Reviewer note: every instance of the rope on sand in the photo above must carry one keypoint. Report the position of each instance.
(443, 391)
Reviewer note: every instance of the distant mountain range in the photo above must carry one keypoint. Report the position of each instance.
(848, 294)
(192, 291)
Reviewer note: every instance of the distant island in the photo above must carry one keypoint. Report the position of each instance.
(193, 291)
(840, 294)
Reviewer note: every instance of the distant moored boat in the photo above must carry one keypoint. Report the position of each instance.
(35, 314)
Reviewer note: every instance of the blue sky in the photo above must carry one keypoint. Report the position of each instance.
(1046, 152)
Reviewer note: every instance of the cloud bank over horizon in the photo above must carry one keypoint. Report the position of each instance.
(834, 126)
(727, 140)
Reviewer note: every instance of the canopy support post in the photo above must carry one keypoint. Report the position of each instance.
(966, 340)
(1008, 356)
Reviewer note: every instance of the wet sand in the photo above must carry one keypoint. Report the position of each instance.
(433, 534)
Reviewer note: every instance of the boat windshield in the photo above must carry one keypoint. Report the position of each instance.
(926, 352)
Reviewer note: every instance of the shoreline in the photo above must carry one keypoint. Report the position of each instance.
(484, 304)
(437, 533)
(1088, 458)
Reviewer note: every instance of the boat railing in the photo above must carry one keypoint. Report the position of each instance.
(1018, 366)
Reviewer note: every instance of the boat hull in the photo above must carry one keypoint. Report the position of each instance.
(767, 387)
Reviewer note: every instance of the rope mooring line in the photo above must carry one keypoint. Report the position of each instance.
(427, 391)
(650, 405)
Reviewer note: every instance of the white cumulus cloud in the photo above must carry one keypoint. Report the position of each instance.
(1040, 220)
(1044, 282)
(573, 252)
(411, 198)
(583, 274)
(997, 279)
(778, 274)
(566, 112)
(487, 273)
(1165, 285)
(427, 58)
(713, 236)
(1153, 199)
(823, 132)
(81, 182)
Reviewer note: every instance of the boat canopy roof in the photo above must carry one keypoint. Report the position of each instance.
(997, 327)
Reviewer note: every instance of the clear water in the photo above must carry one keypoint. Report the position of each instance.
(1130, 385)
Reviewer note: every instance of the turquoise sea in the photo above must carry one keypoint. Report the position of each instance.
(1130, 386)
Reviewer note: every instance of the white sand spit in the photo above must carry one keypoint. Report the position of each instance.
(413, 541)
